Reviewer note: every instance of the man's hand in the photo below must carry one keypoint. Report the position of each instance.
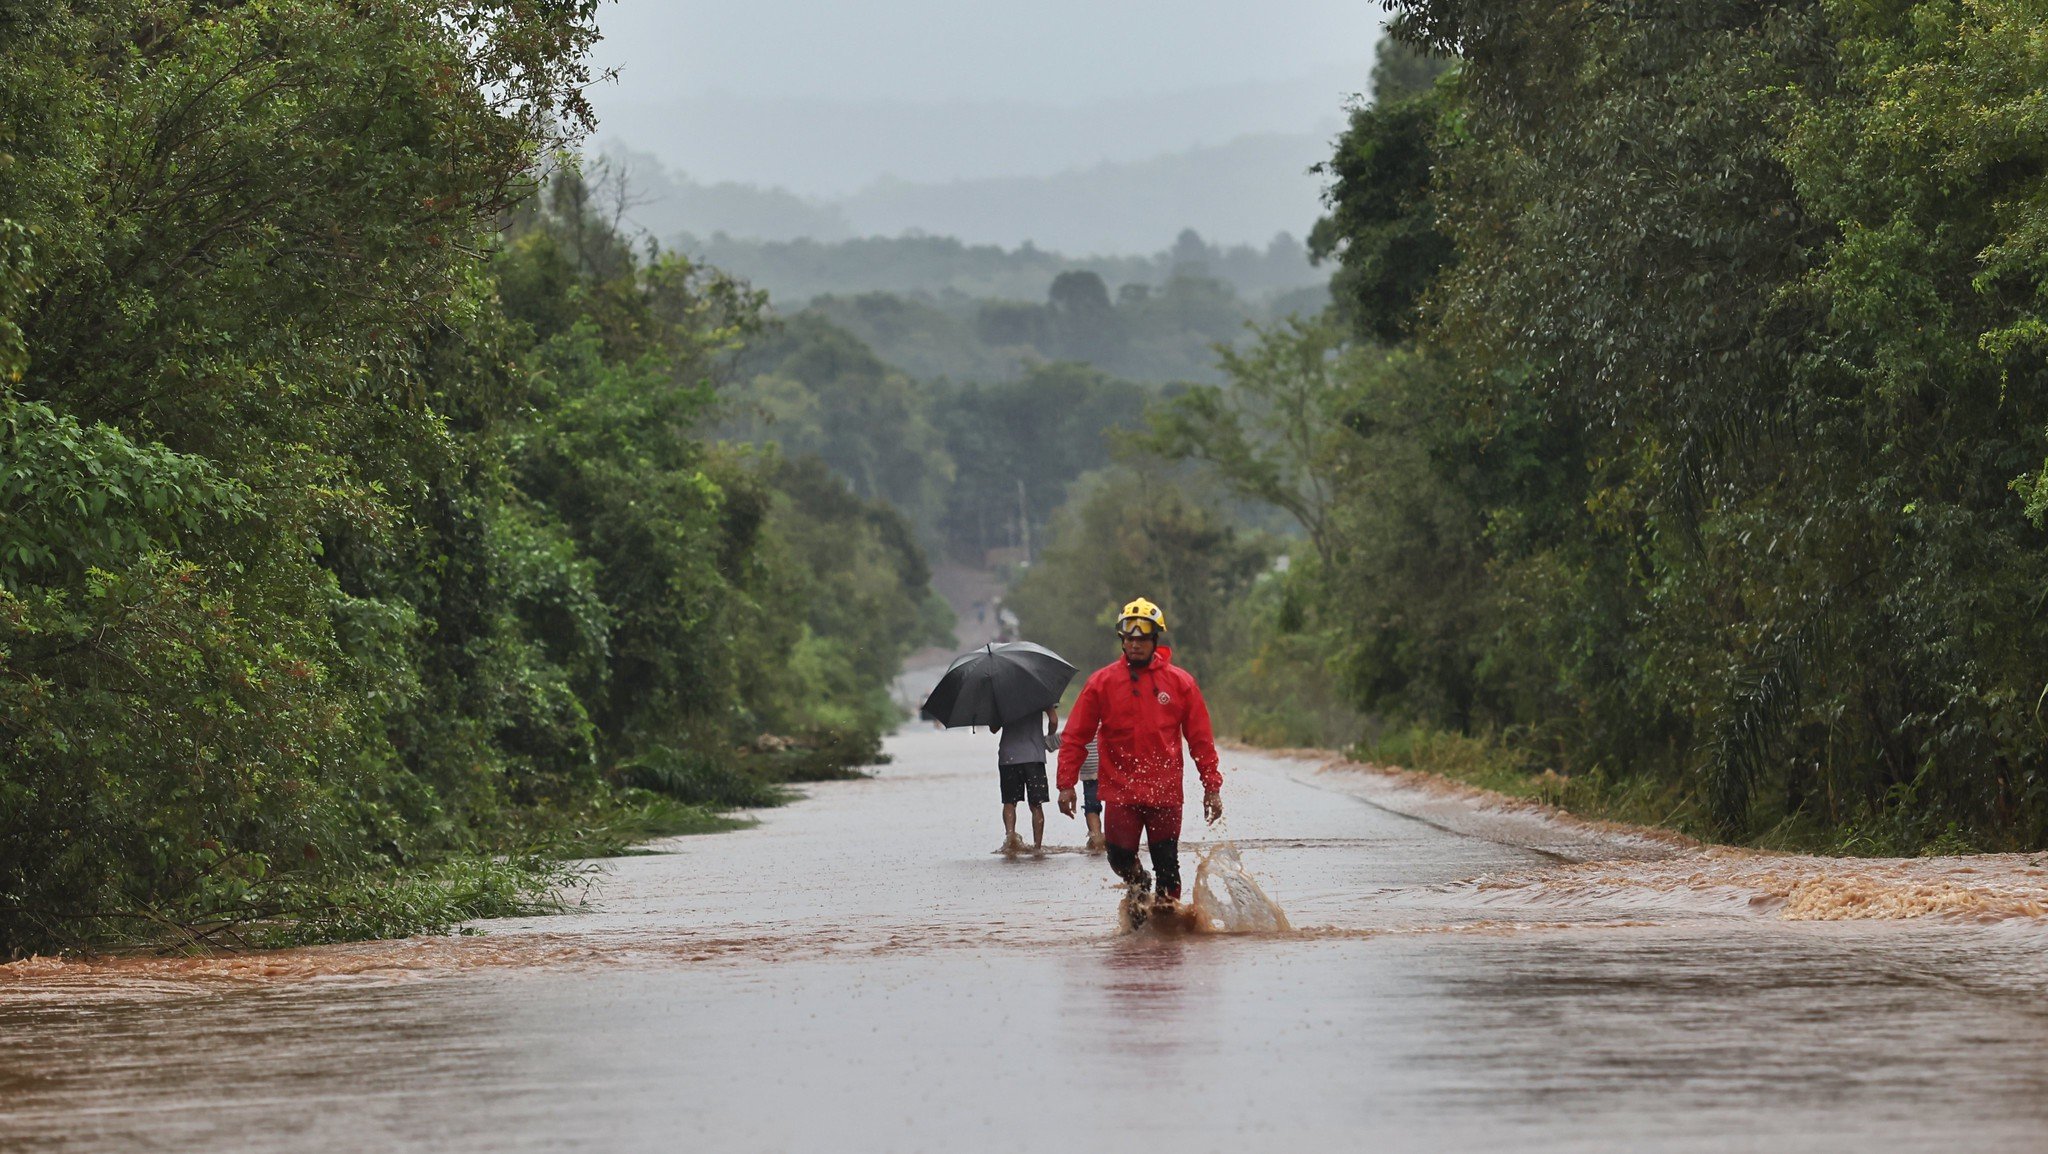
(1067, 802)
(1212, 805)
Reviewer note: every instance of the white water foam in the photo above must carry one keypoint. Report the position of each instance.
(1227, 900)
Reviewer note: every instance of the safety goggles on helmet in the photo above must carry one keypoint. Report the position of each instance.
(1136, 627)
(1141, 610)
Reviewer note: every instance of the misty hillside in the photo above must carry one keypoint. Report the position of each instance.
(943, 268)
(833, 143)
(1245, 191)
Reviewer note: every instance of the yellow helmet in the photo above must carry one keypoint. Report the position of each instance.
(1141, 610)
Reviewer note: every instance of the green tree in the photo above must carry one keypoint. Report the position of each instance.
(1137, 531)
(1271, 433)
(1017, 447)
(360, 529)
(1736, 320)
(230, 232)
(1391, 599)
(813, 388)
(1382, 228)
(1085, 326)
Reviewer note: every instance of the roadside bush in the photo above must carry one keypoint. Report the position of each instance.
(709, 780)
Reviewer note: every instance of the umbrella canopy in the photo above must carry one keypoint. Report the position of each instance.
(998, 685)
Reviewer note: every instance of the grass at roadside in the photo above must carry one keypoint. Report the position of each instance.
(543, 860)
(623, 822)
(1487, 762)
(532, 860)
(536, 865)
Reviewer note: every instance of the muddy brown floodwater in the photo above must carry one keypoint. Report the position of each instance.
(860, 972)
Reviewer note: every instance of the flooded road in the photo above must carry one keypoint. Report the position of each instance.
(860, 972)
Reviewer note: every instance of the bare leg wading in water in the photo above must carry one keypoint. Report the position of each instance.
(1020, 762)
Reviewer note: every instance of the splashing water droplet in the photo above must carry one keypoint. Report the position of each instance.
(1228, 901)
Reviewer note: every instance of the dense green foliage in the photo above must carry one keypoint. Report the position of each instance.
(1138, 528)
(358, 515)
(935, 308)
(1018, 447)
(973, 466)
(376, 527)
(1707, 458)
(1161, 334)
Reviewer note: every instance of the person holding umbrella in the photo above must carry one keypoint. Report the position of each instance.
(1014, 688)
(1020, 763)
(1137, 711)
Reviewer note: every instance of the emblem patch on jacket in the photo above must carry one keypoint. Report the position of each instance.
(1165, 698)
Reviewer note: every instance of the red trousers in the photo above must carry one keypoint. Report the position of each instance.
(1122, 823)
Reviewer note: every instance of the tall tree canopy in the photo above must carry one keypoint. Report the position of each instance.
(357, 507)
(1722, 405)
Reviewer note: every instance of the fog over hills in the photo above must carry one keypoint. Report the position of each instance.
(1073, 125)
(1243, 191)
(834, 146)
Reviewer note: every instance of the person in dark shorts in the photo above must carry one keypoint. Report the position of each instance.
(1020, 760)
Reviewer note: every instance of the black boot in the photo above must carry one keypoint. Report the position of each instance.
(1125, 863)
(1166, 863)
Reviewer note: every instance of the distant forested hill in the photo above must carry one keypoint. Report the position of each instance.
(943, 267)
(942, 306)
(1243, 192)
(1141, 332)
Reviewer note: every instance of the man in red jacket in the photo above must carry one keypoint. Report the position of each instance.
(1137, 710)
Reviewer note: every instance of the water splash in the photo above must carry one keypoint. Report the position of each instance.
(1138, 910)
(1227, 900)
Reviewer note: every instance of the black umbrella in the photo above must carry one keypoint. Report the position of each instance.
(998, 685)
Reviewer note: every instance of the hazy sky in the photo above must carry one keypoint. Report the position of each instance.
(842, 103)
(826, 98)
(938, 50)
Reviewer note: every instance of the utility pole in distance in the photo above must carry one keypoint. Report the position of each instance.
(1024, 519)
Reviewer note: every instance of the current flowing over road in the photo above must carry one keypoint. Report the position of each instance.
(860, 972)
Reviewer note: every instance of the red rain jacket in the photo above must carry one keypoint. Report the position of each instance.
(1140, 717)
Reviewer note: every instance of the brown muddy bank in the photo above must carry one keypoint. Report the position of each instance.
(1618, 863)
